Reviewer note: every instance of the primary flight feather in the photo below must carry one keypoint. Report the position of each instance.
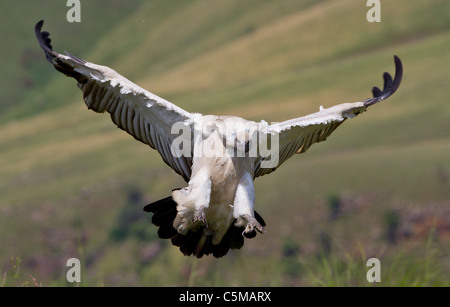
(218, 156)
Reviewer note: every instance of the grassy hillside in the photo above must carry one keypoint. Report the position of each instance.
(71, 185)
(23, 73)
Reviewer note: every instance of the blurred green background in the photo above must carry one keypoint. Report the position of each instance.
(72, 185)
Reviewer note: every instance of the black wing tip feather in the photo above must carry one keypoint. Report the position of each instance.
(390, 86)
(44, 40)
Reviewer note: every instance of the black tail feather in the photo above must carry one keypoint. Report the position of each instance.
(194, 243)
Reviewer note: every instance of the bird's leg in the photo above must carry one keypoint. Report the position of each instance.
(201, 191)
(243, 206)
(192, 202)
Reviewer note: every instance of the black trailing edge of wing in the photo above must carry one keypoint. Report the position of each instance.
(390, 86)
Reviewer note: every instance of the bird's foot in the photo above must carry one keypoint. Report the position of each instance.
(200, 216)
(252, 225)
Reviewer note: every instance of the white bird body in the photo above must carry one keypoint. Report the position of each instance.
(221, 183)
(218, 156)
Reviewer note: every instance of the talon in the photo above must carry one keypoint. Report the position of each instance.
(200, 216)
(252, 224)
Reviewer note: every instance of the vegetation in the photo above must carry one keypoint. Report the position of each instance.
(73, 186)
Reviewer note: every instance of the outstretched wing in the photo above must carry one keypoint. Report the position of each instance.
(145, 116)
(297, 135)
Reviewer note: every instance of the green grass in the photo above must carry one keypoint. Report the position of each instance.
(68, 176)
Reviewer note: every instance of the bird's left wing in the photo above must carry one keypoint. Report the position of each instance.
(297, 135)
(145, 116)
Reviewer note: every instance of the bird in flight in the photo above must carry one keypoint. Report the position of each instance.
(219, 157)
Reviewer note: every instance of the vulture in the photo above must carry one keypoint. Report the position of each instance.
(219, 157)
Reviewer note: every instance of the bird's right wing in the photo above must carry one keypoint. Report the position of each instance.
(298, 134)
(145, 116)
